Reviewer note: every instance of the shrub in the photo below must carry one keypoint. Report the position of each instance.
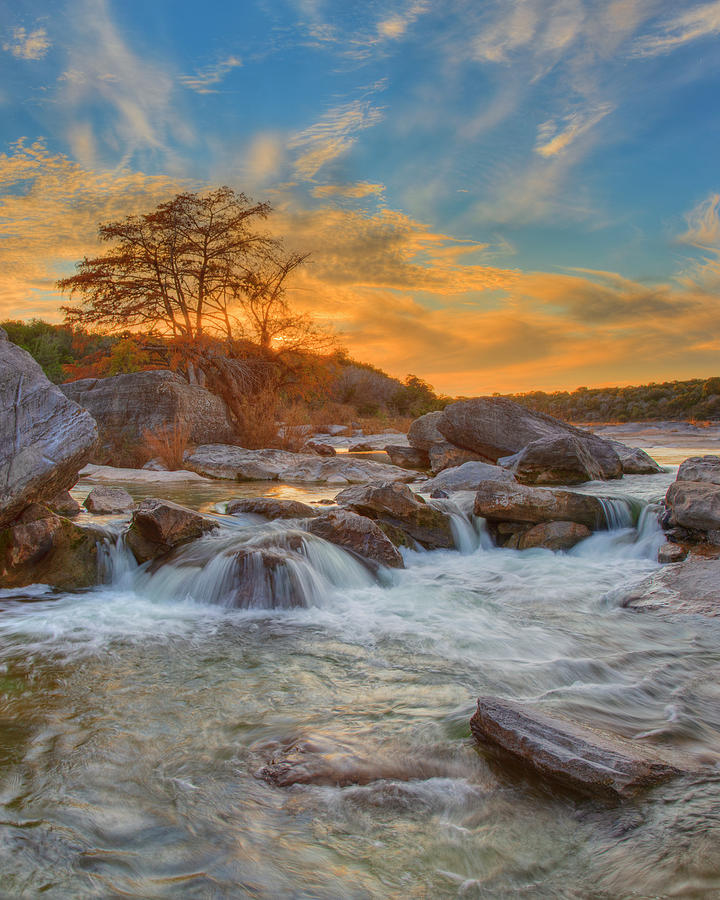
(169, 444)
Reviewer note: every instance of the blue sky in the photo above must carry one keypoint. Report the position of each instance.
(500, 195)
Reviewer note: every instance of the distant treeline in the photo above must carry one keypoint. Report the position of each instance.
(697, 399)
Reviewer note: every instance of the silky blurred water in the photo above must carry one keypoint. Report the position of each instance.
(134, 719)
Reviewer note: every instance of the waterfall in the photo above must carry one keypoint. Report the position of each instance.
(621, 512)
(464, 530)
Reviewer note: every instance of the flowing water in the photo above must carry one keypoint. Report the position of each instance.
(134, 719)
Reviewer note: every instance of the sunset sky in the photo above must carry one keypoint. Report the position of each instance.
(497, 194)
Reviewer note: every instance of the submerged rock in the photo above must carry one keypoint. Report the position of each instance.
(567, 753)
(104, 500)
(158, 526)
(691, 586)
(44, 548)
(358, 534)
(238, 464)
(127, 407)
(45, 439)
(553, 536)
(467, 477)
(396, 506)
(502, 502)
(271, 508)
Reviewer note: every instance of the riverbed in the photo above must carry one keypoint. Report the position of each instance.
(136, 717)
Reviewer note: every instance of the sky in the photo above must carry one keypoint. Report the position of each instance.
(497, 195)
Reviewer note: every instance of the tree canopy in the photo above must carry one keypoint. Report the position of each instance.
(197, 265)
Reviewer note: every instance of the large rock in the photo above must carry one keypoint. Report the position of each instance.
(44, 548)
(106, 500)
(700, 468)
(495, 427)
(423, 432)
(407, 457)
(45, 438)
(395, 506)
(358, 534)
(158, 526)
(563, 459)
(499, 501)
(127, 407)
(553, 536)
(566, 752)
(239, 464)
(694, 504)
(467, 477)
(635, 461)
(271, 508)
(447, 456)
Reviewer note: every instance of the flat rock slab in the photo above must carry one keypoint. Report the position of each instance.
(565, 752)
(690, 587)
(111, 474)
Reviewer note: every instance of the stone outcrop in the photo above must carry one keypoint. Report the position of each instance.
(239, 464)
(105, 500)
(158, 526)
(407, 457)
(690, 587)
(499, 501)
(358, 534)
(467, 477)
(553, 536)
(127, 407)
(563, 459)
(45, 439)
(395, 506)
(271, 508)
(565, 752)
(43, 548)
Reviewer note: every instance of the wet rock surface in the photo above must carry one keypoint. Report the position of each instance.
(358, 534)
(238, 464)
(45, 439)
(104, 500)
(671, 553)
(396, 506)
(158, 526)
(44, 548)
(271, 508)
(502, 502)
(690, 587)
(553, 536)
(567, 753)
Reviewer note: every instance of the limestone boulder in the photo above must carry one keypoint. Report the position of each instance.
(407, 457)
(395, 506)
(129, 407)
(320, 447)
(553, 536)
(63, 504)
(105, 500)
(447, 456)
(45, 439)
(467, 477)
(500, 501)
(564, 459)
(569, 754)
(495, 427)
(694, 505)
(158, 526)
(423, 432)
(41, 547)
(358, 534)
(238, 464)
(635, 461)
(271, 508)
(700, 468)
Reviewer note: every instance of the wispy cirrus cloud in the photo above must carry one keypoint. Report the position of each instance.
(354, 191)
(691, 25)
(204, 80)
(332, 136)
(555, 136)
(28, 44)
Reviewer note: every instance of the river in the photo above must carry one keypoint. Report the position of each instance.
(134, 719)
